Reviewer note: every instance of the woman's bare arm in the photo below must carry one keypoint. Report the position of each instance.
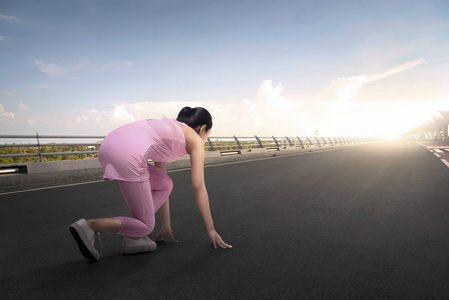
(197, 155)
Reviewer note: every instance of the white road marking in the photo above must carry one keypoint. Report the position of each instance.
(251, 160)
(170, 171)
(51, 187)
(445, 162)
(437, 155)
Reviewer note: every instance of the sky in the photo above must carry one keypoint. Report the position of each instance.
(284, 68)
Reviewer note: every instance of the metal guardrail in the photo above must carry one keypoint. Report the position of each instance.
(213, 144)
(234, 143)
(39, 146)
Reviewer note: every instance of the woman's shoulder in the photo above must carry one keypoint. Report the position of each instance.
(193, 140)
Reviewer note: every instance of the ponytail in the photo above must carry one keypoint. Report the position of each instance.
(195, 117)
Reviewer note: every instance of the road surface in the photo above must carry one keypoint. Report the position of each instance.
(364, 222)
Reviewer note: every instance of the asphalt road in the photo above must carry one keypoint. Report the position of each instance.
(369, 222)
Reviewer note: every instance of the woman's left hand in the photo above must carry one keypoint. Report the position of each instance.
(165, 233)
(216, 240)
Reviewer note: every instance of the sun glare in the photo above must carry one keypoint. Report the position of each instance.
(387, 121)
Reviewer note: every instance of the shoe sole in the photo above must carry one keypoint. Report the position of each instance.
(135, 250)
(79, 240)
(138, 249)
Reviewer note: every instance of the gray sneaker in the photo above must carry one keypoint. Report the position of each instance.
(85, 238)
(142, 244)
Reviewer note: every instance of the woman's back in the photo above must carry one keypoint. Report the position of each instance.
(125, 151)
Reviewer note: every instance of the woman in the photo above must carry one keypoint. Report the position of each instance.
(124, 156)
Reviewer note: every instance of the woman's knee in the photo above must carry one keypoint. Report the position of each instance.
(148, 230)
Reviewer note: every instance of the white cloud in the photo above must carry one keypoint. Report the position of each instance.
(269, 113)
(7, 93)
(4, 114)
(52, 69)
(56, 68)
(120, 113)
(44, 87)
(23, 106)
(346, 88)
(9, 18)
(95, 121)
(2, 37)
(7, 115)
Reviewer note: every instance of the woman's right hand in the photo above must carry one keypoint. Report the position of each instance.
(216, 240)
(165, 233)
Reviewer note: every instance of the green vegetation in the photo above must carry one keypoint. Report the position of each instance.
(232, 145)
(24, 149)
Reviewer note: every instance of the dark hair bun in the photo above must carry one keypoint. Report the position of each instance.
(186, 111)
(195, 117)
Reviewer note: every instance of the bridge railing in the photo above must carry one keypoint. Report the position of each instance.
(87, 149)
(39, 150)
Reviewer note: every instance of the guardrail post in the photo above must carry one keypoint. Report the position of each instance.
(39, 147)
(310, 142)
(259, 141)
(300, 141)
(210, 144)
(238, 142)
(318, 142)
(275, 141)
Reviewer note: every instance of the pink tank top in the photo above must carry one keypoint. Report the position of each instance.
(125, 152)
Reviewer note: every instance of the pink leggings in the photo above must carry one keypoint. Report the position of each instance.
(143, 200)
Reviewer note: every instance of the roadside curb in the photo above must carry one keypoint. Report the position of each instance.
(47, 174)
